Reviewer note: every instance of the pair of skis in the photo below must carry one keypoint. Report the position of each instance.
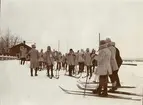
(92, 84)
(87, 87)
(88, 91)
(72, 92)
(81, 87)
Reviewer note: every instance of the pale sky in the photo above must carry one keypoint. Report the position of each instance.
(76, 23)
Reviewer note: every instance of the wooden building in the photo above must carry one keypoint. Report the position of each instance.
(15, 50)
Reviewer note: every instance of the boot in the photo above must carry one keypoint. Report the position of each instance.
(114, 87)
(21, 62)
(70, 71)
(97, 91)
(36, 72)
(87, 71)
(104, 92)
(90, 76)
(48, 73)
(52, 73)
(118, 84)
(31, 71)
(80, 71)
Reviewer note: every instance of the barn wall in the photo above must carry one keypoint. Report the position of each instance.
(16, 49)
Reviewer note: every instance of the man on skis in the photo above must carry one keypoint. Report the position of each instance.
(103, 69)
(113, 63)
(34, 56)
(71, 61)
(49, 59)
(119, 63)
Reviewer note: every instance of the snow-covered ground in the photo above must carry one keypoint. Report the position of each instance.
(18, 88)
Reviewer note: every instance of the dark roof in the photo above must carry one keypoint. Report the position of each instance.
(21, 44)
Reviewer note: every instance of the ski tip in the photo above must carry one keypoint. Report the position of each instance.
(61, 87)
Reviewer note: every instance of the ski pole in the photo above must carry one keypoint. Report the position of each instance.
(58, 74)
(142, 96)
(56, 68)
(85, 85)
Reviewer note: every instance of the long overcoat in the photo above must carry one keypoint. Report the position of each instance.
(103, 61)
(34, 56)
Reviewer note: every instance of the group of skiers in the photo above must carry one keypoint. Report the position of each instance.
(79, 60)
(107, 63)
(72, 62)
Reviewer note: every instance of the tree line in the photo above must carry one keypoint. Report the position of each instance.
(8, 40)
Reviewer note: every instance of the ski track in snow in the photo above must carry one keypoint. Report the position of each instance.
(18, 88)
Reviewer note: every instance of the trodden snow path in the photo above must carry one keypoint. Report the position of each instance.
(18, 88)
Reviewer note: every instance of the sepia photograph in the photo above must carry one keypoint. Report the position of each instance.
(71, 52)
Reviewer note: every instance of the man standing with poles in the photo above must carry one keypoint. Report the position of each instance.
(103, 69)
(71, 61)
(49, 59)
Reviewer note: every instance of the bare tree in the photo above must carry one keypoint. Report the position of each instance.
(7, 41)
